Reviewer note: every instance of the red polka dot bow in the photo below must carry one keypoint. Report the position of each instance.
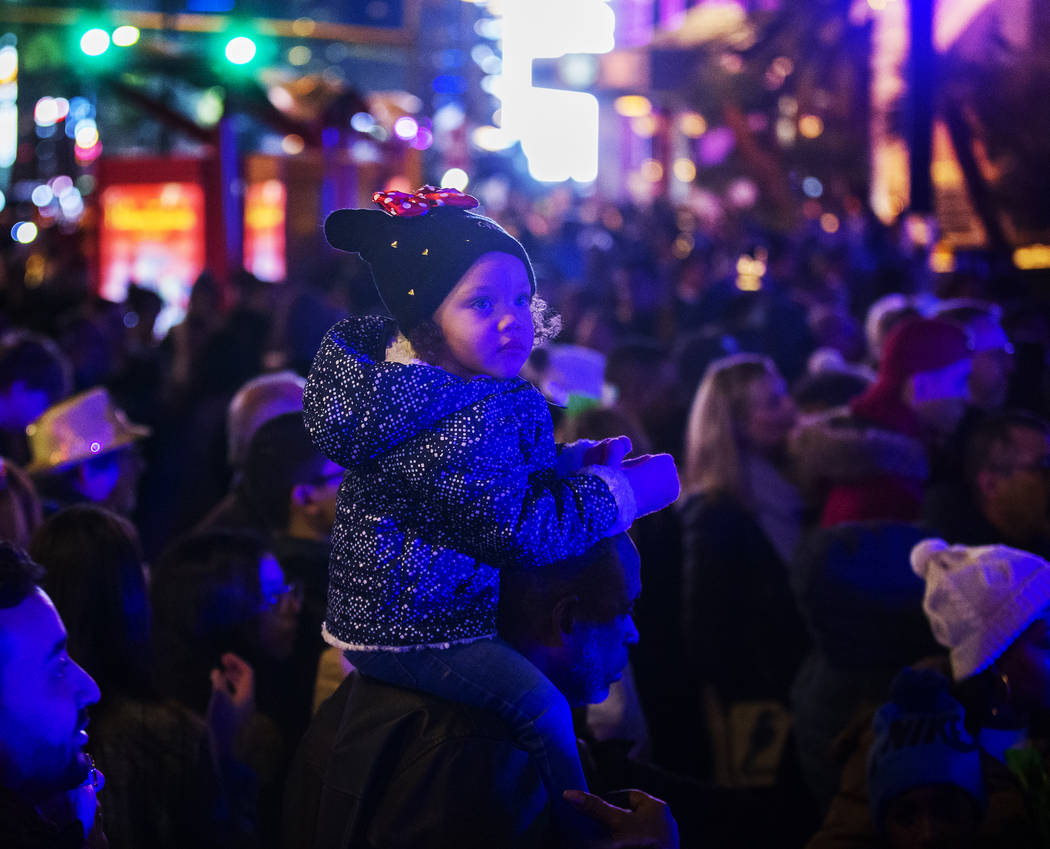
(406, 205)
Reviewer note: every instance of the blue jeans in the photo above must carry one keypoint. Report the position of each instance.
(491, 675)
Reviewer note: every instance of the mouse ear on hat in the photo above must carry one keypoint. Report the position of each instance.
(356, 230)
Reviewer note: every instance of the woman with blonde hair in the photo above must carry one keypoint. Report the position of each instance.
(741, 520)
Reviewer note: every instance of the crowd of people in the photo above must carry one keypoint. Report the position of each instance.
(843, 621)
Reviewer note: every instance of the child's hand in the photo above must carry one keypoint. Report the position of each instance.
(654, 480)
(608, 452)
(587, 452)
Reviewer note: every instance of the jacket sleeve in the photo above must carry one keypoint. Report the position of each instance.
(356, 406)
(473, 477)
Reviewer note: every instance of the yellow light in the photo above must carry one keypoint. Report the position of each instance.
(652, 170)
(632, 106)
(683, 245)
(293, 144)
(692, 124)
(125, 36)
(829, 223)
(878, 5)
(684, 170)
(87, 136)
(810, 126)
(300, 55)
(644, 126)
(303, 27)
(942, 259)
(1032, 256)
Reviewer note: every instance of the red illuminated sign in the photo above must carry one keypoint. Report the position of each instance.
(153, 234)
(264, 230)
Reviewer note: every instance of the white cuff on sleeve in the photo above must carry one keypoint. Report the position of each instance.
(622, 494)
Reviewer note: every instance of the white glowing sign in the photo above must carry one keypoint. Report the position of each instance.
(558, 129)
(8, 105)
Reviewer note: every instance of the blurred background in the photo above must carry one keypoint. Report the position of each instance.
(158, 139)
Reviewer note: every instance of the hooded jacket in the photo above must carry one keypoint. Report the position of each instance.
(447, 481)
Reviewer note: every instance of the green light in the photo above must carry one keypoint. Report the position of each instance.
(240, 50)
(94, 42)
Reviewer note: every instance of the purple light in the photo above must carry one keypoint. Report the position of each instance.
(423, 140)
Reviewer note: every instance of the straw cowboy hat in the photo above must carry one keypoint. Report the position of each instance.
(80, 428)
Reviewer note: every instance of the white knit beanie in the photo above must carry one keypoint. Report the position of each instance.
(979, 599)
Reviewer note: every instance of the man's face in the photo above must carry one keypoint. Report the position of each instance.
(1017, 493)
(597, 647)
(44, 697)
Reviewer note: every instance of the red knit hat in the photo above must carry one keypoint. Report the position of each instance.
(923, 344)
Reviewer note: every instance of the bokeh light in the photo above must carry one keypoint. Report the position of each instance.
(125, 36)
(684, 170)
(24, 232)
(94, 42)
(240, 50)
(455, 178)
(632, 106)
(692, 124)
(810, 126)
(406, 128)
(293, 144)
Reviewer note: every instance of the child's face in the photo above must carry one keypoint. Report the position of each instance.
(486, 320)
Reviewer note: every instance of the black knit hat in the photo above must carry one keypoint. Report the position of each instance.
(416, 261)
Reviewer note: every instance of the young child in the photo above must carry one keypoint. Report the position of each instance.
(452, 470)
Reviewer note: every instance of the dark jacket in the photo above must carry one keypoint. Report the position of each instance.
(742, 630)
(447, 481)
(381, 766)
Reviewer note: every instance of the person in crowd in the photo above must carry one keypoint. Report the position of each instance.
(871, 463)
(286, 487)
(48, 784)
(924, 771)
(162, 790)
(990, 607)
(1005, 494)
(385, 766)
(742, 519)
(85, 449)
(882, 317)
(20, 509)
(455, 459)
(34, 375)
(993, 354)
(259, 400)
(223, 608)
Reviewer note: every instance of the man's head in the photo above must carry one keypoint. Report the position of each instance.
(259, 400)
(574, 620)
(34, 375)
(44, 695)
(993, 355)
(85, 449)
(288, 481)
(1008, 470)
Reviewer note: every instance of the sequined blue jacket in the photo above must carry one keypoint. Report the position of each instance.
(447, 481)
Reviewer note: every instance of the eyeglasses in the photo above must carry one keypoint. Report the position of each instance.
(292, 590)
